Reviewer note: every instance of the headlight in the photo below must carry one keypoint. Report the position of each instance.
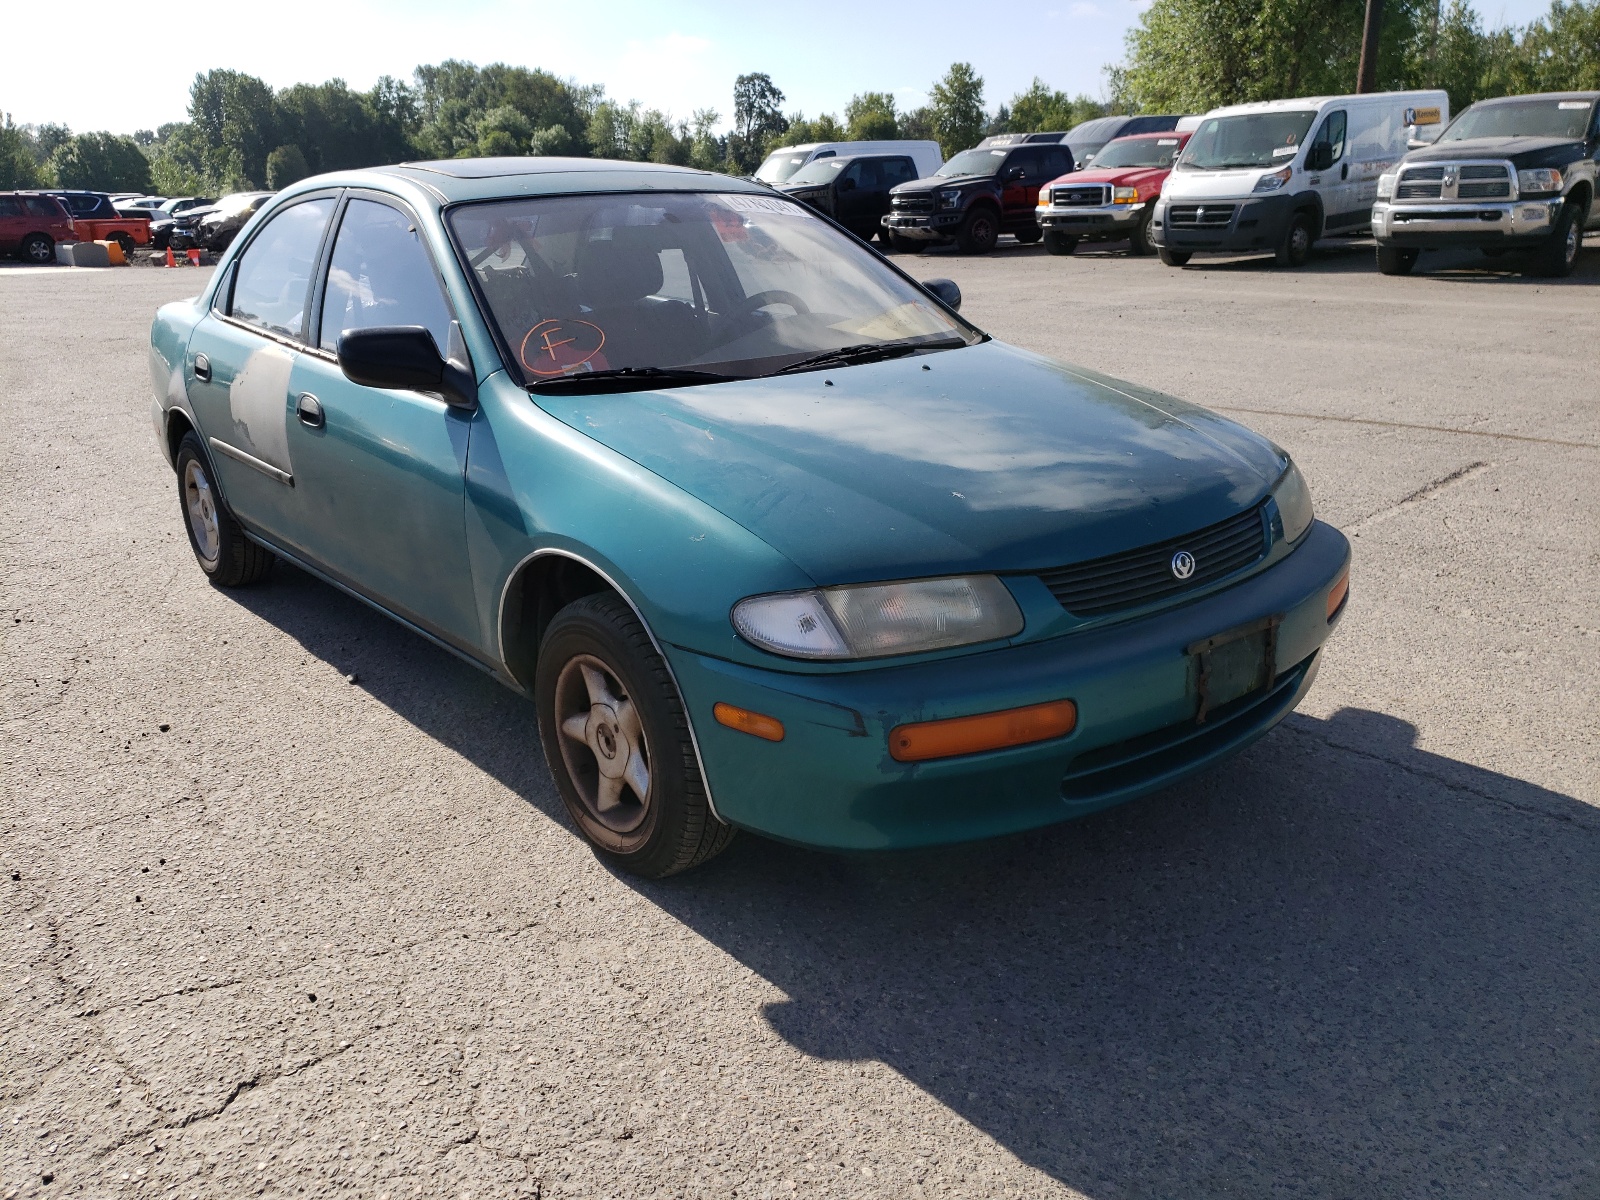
(1294, 503)
(1124, 195)
(1539, 179)
(950, 199)
(1386, 185)
(1271, 183)
(873, 620)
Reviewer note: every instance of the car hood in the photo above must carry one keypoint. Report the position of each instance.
(1231, 184)
(1522, 151)
(984, 458)
(939, 181)
(1139, 177)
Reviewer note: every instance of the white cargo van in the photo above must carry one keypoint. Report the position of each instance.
(785, 161)
(1277, 175)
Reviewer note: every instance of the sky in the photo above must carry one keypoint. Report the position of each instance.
(678, 56)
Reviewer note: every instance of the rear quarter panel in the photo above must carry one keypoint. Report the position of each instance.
(169, 343)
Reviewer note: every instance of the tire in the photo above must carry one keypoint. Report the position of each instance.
(1175, 258)
(1060, 243)
(1396, 260)
(1139, 243)
(1029, 236)
(38, 249)
(125, 240)
(980, 231)
(1295, 248)
(1556, 258)
(228, 558)
(607, 703)
(904, 245)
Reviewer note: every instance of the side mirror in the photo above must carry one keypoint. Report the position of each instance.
(1319, 157)
(847, 184)
(1014, 173)
(946, 290)
(405, 357)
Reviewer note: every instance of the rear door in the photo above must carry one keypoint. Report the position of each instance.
(13, 222)
(1019, 193)
(857, 193)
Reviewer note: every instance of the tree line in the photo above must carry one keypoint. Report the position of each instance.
(1183, 56)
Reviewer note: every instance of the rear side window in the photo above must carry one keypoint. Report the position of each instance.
(44, 206)
(381, 274)
(1056, 162)
(273, 277)
(897, 171)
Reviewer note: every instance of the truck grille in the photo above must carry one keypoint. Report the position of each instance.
(911, 204)
(1079, 197)
(1484, 183)
(1420, 183)
(1200, 216)
(1127, 580)
(1481, 182)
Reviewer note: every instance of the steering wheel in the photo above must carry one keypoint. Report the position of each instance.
(760, 300)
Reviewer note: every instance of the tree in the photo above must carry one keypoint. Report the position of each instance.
(1041, 109)
(504, 131)
(758, 120)
(286, 165)
(706, 149)
(870, 116)
(235, 120)
(101, 162)
(551, 140)
(1561, 50)
(957, 104)
(17, 166)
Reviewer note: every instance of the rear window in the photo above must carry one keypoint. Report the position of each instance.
(47, 207)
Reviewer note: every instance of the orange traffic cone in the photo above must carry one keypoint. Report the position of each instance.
(171, 262)
(194, 258)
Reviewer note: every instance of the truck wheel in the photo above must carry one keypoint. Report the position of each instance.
(1175, 258)
(1060, 243)
(901, 244)
(228, 558)
(1556, 258)
(1295, 248)
(125, 240)
(1139, 243)
(1029, 236)
(1396, 260)
(37, 248)
(979, 232)
(617, 741)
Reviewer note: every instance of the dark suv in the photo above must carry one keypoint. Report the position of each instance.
(975, 197)
(853, 189)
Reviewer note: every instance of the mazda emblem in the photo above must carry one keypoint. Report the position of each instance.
(1183, 564)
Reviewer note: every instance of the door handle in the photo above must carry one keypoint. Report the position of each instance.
(1344, 171)
(202, 368)
(309, 409)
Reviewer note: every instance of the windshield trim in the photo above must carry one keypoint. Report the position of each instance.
(485, 313)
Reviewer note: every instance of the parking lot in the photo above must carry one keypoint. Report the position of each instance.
(289, 905)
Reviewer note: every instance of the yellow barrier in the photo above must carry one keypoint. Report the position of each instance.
(114, 251)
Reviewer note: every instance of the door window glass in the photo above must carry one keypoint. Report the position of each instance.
(380, 275)
(44, 206)
(897, 171)
(1332, 135)
(10, 206)
(1056, 163)
(274, 273)
(1030, 160)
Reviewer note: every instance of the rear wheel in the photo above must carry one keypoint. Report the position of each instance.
(1556, 258)
(1029, 236)
(1139, 243)
(126, 242)
(37, 248)
(1295, 248)
(1060, 243)
(228, 558)
(1396, 260)
(1175, 258)
(979, 232)
(617, 741)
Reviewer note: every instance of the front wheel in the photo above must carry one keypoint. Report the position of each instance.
(1139, 243)
(1396, 260)
(1295, 248)
(228, 558)
(1029, 236)
(1175, 258)
(979, 232)
(1060, 243)
(618, 743)
(1556, 258)
(901, 244)
(38, 249)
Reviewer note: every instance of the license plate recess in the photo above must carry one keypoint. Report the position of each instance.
(1233, 665)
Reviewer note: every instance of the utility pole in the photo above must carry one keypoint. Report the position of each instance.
(1367, 76)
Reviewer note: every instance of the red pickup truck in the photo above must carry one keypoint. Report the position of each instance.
(97, 220)
(30, 226)
(1114, 198)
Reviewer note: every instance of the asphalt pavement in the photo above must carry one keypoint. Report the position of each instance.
(289, 907)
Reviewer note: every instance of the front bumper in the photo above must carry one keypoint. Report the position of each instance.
(1434, 224)
(1115, 220)
(831, 781)
(935, 226)
(1250, 223)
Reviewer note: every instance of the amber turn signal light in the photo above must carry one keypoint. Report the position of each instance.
(1337, 595)
(987, 731)
(754, 723)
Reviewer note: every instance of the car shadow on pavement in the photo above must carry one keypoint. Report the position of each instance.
(1338, 966)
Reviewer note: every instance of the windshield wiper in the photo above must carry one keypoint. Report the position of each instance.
(866, 352)
(628, 379)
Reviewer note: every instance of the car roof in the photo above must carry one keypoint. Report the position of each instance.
(1590, 96)
(456, 180)
(1301, 103)
(1156, 133)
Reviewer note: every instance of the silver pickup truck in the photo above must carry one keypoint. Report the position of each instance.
(1516, 173)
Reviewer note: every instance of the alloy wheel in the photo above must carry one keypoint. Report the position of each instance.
(200, 504)
(603, 744)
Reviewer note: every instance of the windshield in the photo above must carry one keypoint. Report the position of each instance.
(731, 284)
(821, 171)
(973, 162)
(1268, 139)
(781, 164)
(1521, 118)
(1138, 152)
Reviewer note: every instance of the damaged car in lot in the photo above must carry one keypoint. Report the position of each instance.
(772, 536)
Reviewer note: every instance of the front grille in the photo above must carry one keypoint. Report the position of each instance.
(1127, 580)
(912, 204)
(1420, 183)
(1079, 197)
(1200, 216)
(1484, 183)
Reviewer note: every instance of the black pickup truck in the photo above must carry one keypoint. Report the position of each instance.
(1516, 173)
(975, 197)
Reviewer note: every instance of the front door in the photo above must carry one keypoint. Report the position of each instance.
(379, 474)
(1342, 211)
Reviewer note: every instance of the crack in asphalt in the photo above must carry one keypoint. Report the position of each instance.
(1426, 491)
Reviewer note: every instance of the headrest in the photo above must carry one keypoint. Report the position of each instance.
(619, 270)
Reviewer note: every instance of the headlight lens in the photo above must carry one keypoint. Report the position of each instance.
(1271, 183)
(1294, 503)
(1124, 195)
(874, 620)
(1386, 184)
(950, 199)
(1539, 179)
